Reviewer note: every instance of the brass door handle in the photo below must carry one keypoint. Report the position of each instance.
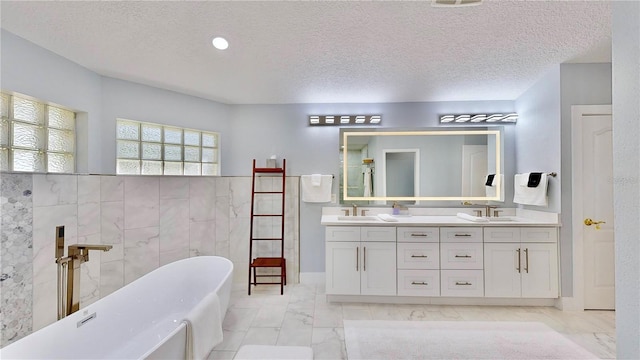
(590, 222)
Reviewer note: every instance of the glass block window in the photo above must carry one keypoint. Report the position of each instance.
(36, 137)
(153, 149)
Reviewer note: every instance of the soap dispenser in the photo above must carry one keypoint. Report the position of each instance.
(396, 208)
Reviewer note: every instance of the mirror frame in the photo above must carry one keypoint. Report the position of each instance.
(498, 161)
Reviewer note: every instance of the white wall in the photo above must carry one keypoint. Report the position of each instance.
(626, 172)
(128, 100)
(31, 70)
(544, 133)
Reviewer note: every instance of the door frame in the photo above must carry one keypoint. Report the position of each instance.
(577, 216)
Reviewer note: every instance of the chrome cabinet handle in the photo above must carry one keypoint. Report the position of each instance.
(357, 258)
(518, 255)
(419, 235)
(463, 256)
(526, 257)
(419, 283)
(419, 256)
(364, 259)
(462, 235)
(463, 283)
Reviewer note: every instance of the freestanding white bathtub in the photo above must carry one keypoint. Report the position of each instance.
(142, 320)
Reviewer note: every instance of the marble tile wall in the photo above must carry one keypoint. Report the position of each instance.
(16, 253)
(149, 221)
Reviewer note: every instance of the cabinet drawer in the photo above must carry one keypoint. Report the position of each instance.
(501, 234)
(461, 234)
(461, 256)
(539, 234)
(342, 233)
(418, 234)
(377, 233)
(418, 255)
(467, 283)
(418, 282)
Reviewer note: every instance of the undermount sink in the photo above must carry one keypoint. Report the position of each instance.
(501, 219)
(357, 218)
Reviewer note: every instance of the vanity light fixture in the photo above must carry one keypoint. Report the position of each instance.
(510, 118)
(344, 119)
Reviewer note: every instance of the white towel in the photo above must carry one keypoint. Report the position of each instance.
(316, 194)
(387, 217)
(491, 190)
(472, 218)
(367, 183)
(316, 179)
(530, 195)
(204, 327)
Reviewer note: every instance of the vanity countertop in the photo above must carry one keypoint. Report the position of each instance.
(433, 220)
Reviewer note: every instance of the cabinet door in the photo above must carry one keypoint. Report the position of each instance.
(343, 267)
(539, 270)
(378, 272)
(502, 268)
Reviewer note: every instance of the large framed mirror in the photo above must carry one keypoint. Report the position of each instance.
(412, 166)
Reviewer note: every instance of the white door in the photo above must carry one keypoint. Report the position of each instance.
(597, 197)
(474, 170)
(502, 268)
(343, 267)
(378, 273)
(539, 270)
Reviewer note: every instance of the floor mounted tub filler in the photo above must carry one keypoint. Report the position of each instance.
(143, 320)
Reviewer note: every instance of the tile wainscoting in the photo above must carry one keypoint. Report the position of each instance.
(149, 220)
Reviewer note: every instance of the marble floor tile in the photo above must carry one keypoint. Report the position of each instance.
(303, 317)
(221, 355)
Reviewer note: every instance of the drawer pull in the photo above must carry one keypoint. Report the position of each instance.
(462, 235)
(419, 256)
(465, 283)
(419, 235)
(419, 283)
(463, 256)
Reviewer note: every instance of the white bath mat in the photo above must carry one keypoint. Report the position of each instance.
(457, 340)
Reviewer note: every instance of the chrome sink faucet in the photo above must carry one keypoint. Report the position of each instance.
(355, 209)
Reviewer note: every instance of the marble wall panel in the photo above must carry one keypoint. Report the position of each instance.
(111, 188)
(174, 187)
(16, 239)
(111, 277)
(222, 222)
(141, 202)
(112, 229)
(202, 239)
(54, 189)
(90, 272)
(88, 189)
(141, 252)
(174, 230)
(202, 194)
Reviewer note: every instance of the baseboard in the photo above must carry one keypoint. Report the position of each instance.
(569, 304)
(312, 277)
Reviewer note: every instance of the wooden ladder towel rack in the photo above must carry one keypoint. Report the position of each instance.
(269, 261)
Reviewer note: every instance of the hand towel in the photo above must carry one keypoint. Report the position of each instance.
(491, 190)
(368, 191)
(530, 195)
(387, 217)
(316, 179)
(472, 218)
(316, 194)
(204, 327)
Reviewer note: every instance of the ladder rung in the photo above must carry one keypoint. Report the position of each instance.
(268, 192)
(267, 170)
(268, 214)
(260, 239)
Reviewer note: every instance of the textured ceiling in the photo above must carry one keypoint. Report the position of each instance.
(315, 52)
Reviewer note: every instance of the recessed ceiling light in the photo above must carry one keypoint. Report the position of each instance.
(220, 43)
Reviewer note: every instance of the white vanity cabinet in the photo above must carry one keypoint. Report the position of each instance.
(521, 262)
(418, 258)
(360, 260)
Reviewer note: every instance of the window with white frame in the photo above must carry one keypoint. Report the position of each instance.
(154, 149)
(35, 136)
